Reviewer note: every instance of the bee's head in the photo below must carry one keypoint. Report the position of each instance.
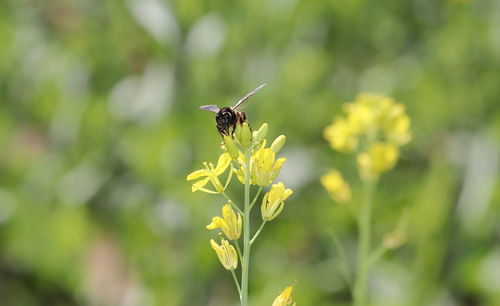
(226, 116)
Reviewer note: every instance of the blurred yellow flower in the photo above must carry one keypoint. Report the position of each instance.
(264, 167)
(211, 174)
(230, 223)
(341, 136)
(226, 253)
(369, 118)
(380, 158)
(285, 297)
(397, 126)
(336, 186)
(273, 201)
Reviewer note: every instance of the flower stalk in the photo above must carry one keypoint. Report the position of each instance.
(374, 128)
(364, 228)
(245, 155)
(246, 236)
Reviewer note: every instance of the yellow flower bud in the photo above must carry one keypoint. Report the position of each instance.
(237, 132)
(336, 186)
(246, 135)
(273, 201)
(231, 147)
(226, 253)
(261, 133)
(285, 297)
(230, 223)
(381, 157)
(278, 143)
(397, 125)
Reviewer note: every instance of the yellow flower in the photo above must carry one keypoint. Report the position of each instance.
(211, 174)
(341, 136)
(273, 201)
(397, 126)
(285, 297)
(226, 253)
(230, 223)
(373, 117)
(336, 186)
(264, 167)
(380, 158)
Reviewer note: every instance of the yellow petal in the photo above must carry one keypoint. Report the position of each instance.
(223, 163)
(216, 223)
(197, 174)
(199, 184)
(285, 298)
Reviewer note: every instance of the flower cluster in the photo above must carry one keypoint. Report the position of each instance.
(375, 127)
(245, 153)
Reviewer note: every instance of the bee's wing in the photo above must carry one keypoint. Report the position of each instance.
(248, 96)
(210, 108)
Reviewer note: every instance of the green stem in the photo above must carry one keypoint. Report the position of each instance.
(237, 283)
(344, 269)
(255, 198)
(246, 236)
(232, 203)
(364, 244)
(258, 232)
(239, 251)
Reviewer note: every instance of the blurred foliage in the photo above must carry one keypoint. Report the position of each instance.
(99, 126)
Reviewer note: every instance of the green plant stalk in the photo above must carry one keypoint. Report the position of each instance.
(237, 283)
(246, 236)
(364, 228)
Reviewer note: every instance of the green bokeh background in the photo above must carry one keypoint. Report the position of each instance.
(99, 127)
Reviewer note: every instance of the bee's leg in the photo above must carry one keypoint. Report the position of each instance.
(222, 131)
(243, 117)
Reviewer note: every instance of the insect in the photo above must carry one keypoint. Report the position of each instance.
(228, 117)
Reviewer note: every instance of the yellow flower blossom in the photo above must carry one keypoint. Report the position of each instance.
(211, 174)
(397, 126)
(341, 136)
(273, 201)
(285, 298)
(226, 253)
(370, 117)
(230, 223)
(380, 158)
(264, 167)
(336, 186)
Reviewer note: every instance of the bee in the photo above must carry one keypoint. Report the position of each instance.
(227, 117)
